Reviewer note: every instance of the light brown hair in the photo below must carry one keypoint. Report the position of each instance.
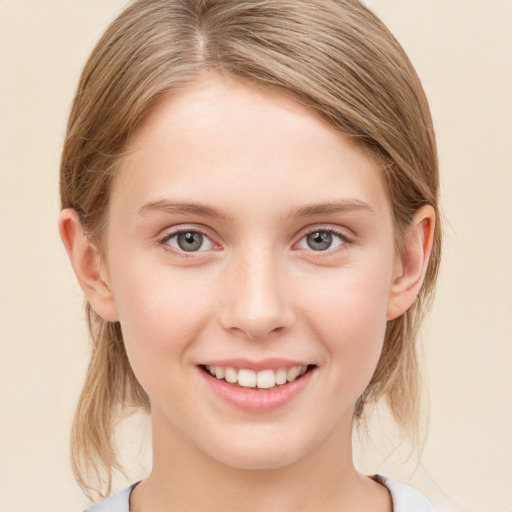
(334, 56)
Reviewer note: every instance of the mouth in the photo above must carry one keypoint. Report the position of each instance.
(262, 380)
(258, 386)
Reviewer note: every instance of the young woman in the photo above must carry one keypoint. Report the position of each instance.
(249, 202)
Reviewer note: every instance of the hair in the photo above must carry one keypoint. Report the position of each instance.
(335, 57)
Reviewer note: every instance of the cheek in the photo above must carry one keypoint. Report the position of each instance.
(348, 314)
(161, 312)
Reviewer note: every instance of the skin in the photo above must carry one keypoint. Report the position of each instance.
(255, 289)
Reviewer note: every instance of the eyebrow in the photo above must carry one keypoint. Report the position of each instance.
(346, 205)
(178, 207)
(204, 210)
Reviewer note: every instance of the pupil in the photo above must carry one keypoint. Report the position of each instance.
(190, 241)
(320, 240)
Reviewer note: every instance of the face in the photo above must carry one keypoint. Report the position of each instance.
(248, 240)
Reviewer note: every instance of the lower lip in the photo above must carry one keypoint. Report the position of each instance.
(253, 399)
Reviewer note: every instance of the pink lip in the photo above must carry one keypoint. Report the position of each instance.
(265, 364)
(254, 400)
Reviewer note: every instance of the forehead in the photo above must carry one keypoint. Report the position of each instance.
(227, 142)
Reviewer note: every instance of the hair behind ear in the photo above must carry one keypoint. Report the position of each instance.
(109, 387)
(397, 376)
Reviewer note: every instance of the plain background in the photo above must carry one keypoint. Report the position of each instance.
(462, 50)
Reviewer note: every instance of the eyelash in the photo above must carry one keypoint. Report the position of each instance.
(345, 240)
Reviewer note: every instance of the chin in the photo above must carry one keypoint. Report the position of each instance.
(262, 452)
(260, 460)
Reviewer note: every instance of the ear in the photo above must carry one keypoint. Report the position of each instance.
(88, 265)
(411, 266)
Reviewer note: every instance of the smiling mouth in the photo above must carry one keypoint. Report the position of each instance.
(260, 380)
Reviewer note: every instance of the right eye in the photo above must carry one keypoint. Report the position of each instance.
(188, 241)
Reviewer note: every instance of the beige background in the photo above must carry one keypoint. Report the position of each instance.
(463, 52)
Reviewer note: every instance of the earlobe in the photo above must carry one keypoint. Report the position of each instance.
(88, 265)
(413, 264)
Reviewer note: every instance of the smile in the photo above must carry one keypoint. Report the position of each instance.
(264, 379)
(262, 387)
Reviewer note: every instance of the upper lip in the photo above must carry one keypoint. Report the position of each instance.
(273, 363)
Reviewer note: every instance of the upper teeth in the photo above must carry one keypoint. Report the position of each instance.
(264, 379)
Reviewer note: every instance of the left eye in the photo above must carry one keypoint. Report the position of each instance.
(321, 240)
(189, 241)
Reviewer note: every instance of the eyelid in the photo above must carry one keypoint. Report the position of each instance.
(183, 228)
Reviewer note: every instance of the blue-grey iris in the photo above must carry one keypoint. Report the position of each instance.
(190, 241)
(319, 240)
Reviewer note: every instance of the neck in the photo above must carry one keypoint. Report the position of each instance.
(190, 480)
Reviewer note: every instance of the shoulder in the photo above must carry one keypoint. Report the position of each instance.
(119, 502)
(405, 498)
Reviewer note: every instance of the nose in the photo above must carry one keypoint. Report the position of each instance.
(256, 302)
